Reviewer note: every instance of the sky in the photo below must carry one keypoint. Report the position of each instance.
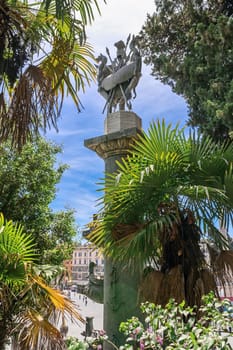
(79, 187)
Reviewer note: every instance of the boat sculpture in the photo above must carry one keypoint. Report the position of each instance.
(117, 81)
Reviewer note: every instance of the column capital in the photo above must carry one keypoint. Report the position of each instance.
(114, 144)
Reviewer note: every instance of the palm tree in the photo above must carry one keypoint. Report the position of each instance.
(168, 200)
(30, 308)
(44, 56)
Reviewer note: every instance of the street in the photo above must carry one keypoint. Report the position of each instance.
(89, 309)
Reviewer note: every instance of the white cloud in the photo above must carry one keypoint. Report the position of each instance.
(119, 18)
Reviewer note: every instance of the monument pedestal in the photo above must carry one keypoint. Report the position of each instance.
(120, 285)
(120, 121)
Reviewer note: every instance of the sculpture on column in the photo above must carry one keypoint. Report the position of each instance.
(117, 81)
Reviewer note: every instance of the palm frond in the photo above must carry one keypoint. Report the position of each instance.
(159, 288)
(32, 107)
(160, 139)
(164, 167)
(36, 332)
(14, 241)
(41, 309)
(71, 73)
(224, 262)
(85, 8)
(60, 302)
(16, 249)
(37, 90)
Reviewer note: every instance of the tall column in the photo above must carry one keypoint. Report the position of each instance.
(120, 285)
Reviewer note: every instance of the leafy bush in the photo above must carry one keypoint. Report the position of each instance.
(179, 327)
(174, 327)
(95, 341)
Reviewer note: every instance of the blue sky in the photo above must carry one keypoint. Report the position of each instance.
(78, 187)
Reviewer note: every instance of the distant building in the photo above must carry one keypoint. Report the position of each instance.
(82, 256)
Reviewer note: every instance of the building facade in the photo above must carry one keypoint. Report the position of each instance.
(82, 256)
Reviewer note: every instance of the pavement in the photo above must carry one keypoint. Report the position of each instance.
(87, 308)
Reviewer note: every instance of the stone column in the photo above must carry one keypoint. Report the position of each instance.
(120, 285)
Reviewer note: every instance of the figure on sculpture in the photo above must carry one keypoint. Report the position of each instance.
(117, 80)
(120, 60)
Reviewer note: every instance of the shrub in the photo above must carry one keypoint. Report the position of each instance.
(174, 327)
(179, 327)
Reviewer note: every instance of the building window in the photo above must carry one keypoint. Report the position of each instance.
(80, 254)
(80, 262)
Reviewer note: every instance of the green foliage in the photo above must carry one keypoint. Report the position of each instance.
(60, 241)
(177, 326)
(95, 341)
(30, 308)
(44, 57)
(167, 175)
(28, 192)
(17, 248)
(167, 198)
(75, 344)
(188, 45)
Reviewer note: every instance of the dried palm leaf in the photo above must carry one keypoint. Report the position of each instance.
(33, 107)
(222, 265)
(172, 286)
(150, 286)
(158, 287)
(213, 253)
(209, 282)
(224, 261)
(123, 230)
(37, 332)
(198, 291)
(37, 326)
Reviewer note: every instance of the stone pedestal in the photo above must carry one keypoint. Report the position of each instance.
(120, 121)
(120, 285)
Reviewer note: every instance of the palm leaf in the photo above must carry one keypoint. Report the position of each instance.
(36, 331)
(44, 307)
(84, 7)
(34, 98)
(58, 300)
